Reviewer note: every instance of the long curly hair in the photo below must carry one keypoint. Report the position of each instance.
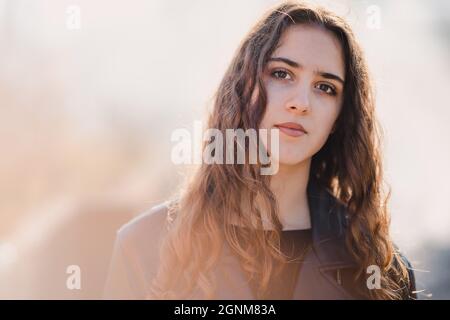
(349, 165)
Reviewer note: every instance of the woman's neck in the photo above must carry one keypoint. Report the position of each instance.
(290, 188)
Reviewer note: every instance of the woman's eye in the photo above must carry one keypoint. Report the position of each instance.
(281, 74)
(326, 88)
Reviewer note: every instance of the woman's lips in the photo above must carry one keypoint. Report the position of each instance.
(291, 129)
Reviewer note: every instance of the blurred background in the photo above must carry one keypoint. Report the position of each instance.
(90, 92)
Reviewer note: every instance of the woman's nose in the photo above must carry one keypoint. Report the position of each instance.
(299, 101)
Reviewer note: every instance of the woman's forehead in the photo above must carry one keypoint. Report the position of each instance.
(312, 47)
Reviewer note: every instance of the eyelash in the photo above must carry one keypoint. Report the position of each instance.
(329, 87)
(333, 90)
(278, 71)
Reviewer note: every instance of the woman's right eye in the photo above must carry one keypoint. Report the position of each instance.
(281, 74)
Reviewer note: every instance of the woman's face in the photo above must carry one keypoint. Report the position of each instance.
(304, 79)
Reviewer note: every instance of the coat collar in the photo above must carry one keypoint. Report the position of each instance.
(329, 221)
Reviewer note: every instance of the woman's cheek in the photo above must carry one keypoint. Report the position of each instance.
(322, 132)
(319, 142)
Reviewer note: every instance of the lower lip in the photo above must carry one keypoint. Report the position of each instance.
(291, 132)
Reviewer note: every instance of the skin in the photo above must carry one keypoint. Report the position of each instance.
(307, 95)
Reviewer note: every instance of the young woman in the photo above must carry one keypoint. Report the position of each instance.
(316, 229)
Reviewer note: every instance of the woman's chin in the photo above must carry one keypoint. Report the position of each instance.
(291, 161)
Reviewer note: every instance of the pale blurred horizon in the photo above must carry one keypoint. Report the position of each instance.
(87, 112)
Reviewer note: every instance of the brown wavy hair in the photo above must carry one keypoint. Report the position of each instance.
(349, 165)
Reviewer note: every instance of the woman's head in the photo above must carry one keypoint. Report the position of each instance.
(298, 64)
(304, 79)
(253, 94)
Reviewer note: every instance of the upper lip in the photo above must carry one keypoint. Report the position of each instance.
(292, 125)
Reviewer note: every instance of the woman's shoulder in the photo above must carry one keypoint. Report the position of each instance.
(409, 292)
(146, 225)
(136, 254)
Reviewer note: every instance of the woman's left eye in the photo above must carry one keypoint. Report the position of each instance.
(326, 88)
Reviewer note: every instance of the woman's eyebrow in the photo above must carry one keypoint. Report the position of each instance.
(326, 75)
(286, 60)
